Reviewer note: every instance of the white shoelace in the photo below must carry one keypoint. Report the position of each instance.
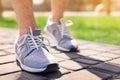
(63, 27)
(33, 41)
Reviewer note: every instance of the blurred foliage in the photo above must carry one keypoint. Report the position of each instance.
(72, 5)
(98, 28)
(81, 5)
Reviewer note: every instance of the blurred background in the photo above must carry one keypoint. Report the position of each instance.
(94, 20)
(76, 5)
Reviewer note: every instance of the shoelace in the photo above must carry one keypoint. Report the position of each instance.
(63, 27)
(33, 41)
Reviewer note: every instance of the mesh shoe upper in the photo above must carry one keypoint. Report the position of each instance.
(32, 52)
(61, 34)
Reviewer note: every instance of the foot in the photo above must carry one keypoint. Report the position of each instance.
(58, 31)
(32, 54)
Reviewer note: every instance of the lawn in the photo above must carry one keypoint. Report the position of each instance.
(99, 28)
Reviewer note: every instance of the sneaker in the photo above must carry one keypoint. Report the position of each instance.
(32, 54)
(58, 31)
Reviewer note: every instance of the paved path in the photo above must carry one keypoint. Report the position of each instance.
(95, 61)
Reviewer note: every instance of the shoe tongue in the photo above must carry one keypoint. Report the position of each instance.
(67, 37)
(35, 32)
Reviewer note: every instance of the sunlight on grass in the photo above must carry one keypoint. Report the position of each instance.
(99, 28)
(8, 22)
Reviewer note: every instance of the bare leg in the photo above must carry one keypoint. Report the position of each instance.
(58, 7)
(61, 33)
(24, 13)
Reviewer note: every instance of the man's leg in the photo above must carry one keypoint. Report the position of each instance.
(56, 27)
(24, 13)
(32, 54)
(58, 7)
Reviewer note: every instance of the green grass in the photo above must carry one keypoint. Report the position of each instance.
(99, 28)
(8, 22)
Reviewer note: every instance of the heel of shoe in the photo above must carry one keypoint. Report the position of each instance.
(51, 38)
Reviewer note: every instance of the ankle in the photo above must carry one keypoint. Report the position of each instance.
(55, 18)
(23, 31)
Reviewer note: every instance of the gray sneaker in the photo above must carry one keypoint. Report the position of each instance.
(32, 55)
(59, 33)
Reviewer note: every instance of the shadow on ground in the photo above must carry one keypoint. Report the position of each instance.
(99, 68)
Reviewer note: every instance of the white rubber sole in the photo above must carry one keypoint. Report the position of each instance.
(62, 49)
(52, 37)
(29, 69)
